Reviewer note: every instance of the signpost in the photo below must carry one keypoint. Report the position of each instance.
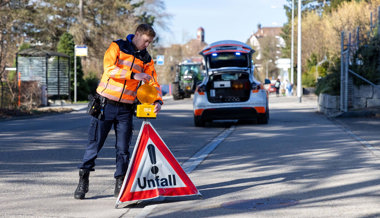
(160, 60)
(80, 50)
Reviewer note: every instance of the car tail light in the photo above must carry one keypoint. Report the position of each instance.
(198, 112)
(260, 110)
(237, 85)
(200, 90)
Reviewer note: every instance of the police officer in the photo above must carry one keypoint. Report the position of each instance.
(126, 63)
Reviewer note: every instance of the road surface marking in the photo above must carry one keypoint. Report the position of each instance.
(198, 157)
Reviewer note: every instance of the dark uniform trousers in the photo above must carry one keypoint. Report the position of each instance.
(120, 116)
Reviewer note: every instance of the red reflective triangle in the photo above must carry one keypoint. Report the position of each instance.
(153, 171)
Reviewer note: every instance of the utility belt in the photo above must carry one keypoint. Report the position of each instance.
(98, 102)
(117, 103)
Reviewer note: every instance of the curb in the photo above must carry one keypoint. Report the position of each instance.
(363, 113)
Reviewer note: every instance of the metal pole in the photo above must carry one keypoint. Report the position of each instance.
(364, 79)
(346, 73)
(292, 48)
(357, 39)
(2, 92)
(378, 21)
(59, 87)
(266, 70)
(68, 79)
(299, 50)
(75, 77)
(19, 88)
(341, 69)
(47, 75)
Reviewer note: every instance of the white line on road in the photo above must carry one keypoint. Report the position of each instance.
(197, 158)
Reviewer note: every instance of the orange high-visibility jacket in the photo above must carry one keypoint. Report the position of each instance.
(120, 60)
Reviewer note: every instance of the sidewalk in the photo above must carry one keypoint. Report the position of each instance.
(74, 106)
(363, 126)
(77, 106)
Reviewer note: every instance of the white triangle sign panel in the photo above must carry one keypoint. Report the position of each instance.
(153, 171)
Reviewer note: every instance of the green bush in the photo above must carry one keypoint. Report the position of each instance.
(367, 62)
(330, 84)
(308, 78)
(92, 82)
(323, 69)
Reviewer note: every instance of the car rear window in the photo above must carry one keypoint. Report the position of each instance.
(228, 59)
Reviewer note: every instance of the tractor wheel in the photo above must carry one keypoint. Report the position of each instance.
(176, 91)
(187, 95)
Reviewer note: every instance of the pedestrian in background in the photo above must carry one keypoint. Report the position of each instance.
(289, 88)
(126, 64)
(277, 85)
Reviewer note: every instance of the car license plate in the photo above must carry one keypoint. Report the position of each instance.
(222, 84)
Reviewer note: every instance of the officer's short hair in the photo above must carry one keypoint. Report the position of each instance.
(146, 29)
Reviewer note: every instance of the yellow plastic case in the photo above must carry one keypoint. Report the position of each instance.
(145, 111)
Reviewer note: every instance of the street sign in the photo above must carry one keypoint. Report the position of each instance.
(153, 171)
(160, 60)
(81, 50)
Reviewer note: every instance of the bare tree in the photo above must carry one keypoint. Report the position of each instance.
(269, 54)
(12, 33)
(321, 33)
(103, 22)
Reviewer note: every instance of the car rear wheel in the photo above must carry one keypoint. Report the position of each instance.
(264, 119)
(198, 121)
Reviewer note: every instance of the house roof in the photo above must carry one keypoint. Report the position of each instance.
(268, 31)
(35, 52)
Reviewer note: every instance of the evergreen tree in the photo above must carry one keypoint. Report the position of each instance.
(66, 45)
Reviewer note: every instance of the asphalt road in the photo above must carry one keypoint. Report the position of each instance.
(301, 164)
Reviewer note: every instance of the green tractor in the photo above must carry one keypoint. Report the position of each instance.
(188, 76)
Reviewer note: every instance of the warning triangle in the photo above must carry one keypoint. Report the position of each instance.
(153, 171)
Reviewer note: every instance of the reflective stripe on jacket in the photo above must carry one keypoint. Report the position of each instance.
(120, 60)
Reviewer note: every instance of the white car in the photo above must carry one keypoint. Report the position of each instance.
(229, 89)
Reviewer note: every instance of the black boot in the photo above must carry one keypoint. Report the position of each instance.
(118, 184)
(82, 188)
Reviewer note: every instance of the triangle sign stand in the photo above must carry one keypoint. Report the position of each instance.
(153, 171)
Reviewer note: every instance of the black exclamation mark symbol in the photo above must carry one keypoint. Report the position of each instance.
(152, 156)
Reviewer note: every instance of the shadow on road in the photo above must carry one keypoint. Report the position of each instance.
(299, 155)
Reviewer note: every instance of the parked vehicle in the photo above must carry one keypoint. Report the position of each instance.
(188, 76)
(229, 89)
(271, 88)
